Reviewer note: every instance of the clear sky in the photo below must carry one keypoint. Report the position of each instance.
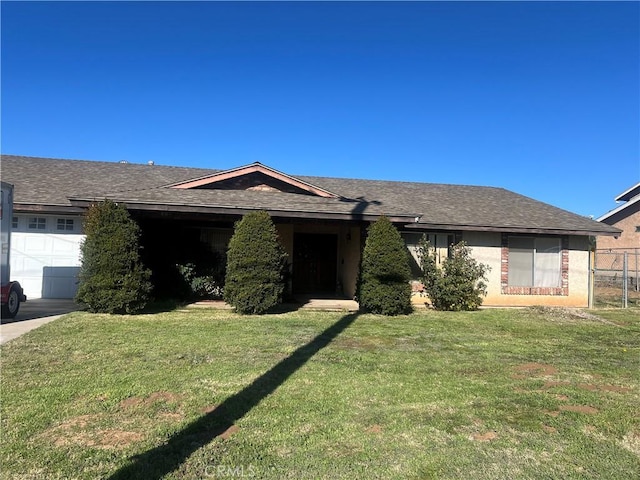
(541, 98)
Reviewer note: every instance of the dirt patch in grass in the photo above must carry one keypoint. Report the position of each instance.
(374, 429)
(631, 442)
(229, 431)
(588, 386)
(484, 437)
(104, 439)
(209, 409)
(130, 402)
(579, 409)
(614, 388)
(533, 369)
(84, 431)
(93, 430)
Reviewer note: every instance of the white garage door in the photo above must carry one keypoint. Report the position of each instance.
(45, 255)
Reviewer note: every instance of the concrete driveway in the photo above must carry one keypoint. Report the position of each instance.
(32, 314)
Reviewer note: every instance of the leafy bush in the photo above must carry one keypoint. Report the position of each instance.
(385, 272)
(112, 277)
(201, 271)
(256, 261)
(201, 281)
(461, 282)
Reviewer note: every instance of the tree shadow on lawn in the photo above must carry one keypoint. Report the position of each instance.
(166, 458)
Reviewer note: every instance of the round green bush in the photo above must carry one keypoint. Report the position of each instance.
(461, 282)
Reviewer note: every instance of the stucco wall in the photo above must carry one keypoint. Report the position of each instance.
(487, 248)
(349, 259)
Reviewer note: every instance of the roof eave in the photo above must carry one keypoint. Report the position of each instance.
(236, 210)
(619, 209)
(629, 193)
(47, 208)
(512, 229)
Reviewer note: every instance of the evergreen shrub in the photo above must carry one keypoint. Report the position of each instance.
(385, 271)
(256, 262)
(112, 276)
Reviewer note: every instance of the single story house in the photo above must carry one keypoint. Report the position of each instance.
(538, 254)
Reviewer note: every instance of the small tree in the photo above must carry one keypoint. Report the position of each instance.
(461, 282)
(254, 281)
(385, 272)
(112, 277)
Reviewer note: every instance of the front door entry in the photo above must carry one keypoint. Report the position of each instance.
(315, 259)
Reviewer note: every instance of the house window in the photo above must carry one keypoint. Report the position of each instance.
(534, 262)
(14, 223)
(440, 241)
(535, 265)
(65, 224)
(37, 223)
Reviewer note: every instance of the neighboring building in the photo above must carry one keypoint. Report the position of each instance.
(625, 217)
(538, 254)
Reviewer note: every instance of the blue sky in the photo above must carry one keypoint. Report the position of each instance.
(541, 98)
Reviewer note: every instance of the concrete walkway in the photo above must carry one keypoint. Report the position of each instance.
(32, 314)
(325, 304)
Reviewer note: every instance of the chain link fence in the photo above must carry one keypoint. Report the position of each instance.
(617, 278)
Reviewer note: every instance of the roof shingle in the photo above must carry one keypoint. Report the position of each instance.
(63, 183)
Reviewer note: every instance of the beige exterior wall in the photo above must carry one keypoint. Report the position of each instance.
(487, 248)
(348, 259)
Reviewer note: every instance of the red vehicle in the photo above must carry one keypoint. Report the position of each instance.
(11, 292)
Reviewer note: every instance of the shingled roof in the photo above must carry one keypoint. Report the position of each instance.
(56, 185)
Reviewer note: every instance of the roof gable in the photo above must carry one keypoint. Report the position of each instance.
(257, 177)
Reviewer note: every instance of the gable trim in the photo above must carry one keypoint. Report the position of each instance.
(622, 207)
(629, 193)
(256, 167)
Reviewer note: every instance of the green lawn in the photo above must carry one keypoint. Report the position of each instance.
(193, 393)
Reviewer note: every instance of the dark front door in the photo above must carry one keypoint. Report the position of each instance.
(314, 263)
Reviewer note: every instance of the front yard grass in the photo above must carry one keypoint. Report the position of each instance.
(197, 393)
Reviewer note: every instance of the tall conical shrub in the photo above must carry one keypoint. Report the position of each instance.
(385, 271)
(254, 281)
(112, 277)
